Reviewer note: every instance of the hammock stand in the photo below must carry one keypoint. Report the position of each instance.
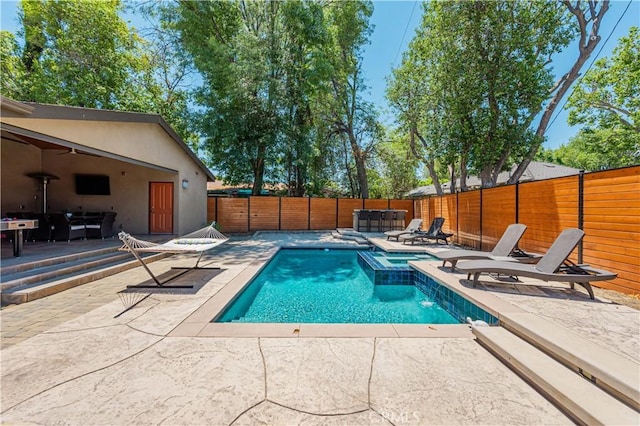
(196, 242)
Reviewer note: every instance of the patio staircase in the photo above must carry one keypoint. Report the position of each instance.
(592, 385)
(25, 282)
(351, 235)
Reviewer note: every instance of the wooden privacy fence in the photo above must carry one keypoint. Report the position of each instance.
(293, 213)
(606, 205)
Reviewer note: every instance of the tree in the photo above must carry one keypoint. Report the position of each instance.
(81, 53)
(473, 81)
(607, 100)
(588, 16)
(170, 72)
(11, 68)
(351, 119)
(608, 95)
(396, 169)
(304, 70)
(263, 69)
(600, 149)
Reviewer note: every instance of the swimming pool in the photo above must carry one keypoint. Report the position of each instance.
(328, 286)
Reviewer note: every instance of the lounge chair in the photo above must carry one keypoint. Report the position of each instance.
(553, 266)
(196, 242)
(504, 248)
(412, 227)
(434, 233)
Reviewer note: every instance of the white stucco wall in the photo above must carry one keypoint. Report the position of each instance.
(146, 142)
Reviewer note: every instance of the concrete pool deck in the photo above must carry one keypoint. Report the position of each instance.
(83, 366)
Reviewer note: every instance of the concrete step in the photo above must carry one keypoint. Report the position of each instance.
(99, 269)
(613, 372)
(47, 273)
(355, 238)
(56, 260)
(349, 231)
(577, 396)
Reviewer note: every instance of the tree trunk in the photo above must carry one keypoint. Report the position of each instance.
(361, 170)
(587, 45)
(429, 162)
(463, 173)
(258, 172)
(453, 177)
(431, 167)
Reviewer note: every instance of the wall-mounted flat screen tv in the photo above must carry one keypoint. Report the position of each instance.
(92, 185)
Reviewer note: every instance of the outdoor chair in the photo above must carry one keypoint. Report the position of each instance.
(387, 220)
(100, 226)
(504, 248)
(434, 233)
(375, 221)
(413, 227)
(44, 231)
(553, 266)
(398, 219)
(363, 220)
(65, 227)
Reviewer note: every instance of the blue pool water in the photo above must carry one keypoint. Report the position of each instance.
(328, 286)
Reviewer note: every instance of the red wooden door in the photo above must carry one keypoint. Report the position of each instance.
(161, 208)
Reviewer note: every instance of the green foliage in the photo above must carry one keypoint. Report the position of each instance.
(600, 149)
(352, 121)
(81, 53)
(608, 96)
(11, 68)
(396, 171)
(274, 73)
(473, 80)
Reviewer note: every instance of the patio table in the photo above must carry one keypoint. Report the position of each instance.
(17, 226)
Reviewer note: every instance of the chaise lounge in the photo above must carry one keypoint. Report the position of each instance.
(553, 266)
(412, 227)
(434, 233)
(504, 248)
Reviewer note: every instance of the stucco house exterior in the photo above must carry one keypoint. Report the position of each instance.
(153, 181)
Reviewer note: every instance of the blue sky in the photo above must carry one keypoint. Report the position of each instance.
(395, 22)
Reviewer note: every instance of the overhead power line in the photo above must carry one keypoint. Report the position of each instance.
(590, 65)
(406, 28)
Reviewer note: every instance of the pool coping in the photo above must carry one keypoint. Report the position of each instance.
(199, 324)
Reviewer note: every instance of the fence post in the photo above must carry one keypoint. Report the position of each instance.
(309, 215)
(457, 218)
(337, 212)
(480, 218)
(216, 208)
(580, 211)
(517, 201)
(279, 213)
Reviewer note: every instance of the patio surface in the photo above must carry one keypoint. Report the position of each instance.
(65, 358)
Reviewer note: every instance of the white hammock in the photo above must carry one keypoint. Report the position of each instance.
(201, 240)
(196, 242)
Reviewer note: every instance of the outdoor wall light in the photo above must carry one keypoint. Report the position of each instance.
(185, 183)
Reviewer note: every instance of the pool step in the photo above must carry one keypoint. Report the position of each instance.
(356, 238)
(576, 395)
